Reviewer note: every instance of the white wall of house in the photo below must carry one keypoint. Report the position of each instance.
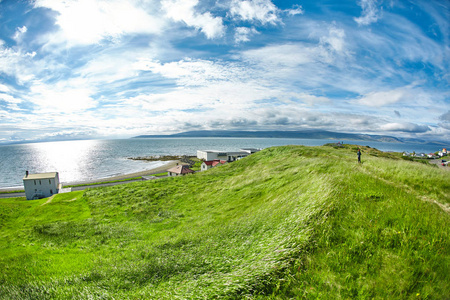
(228, 156)
(41, 185)
(205, 167)
(211, 155)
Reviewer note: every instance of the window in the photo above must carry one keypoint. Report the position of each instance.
(34, 182)
(51, 191)
(40, 183)
(49, 181)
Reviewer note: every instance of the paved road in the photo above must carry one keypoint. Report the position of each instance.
(438, 162)
(11, 195)
(74, 189)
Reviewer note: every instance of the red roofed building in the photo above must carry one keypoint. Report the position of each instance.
(179, 170)
(212, 163)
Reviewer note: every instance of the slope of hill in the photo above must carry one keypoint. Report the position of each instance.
(294, 221)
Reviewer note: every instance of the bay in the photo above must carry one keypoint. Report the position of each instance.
(97, 159)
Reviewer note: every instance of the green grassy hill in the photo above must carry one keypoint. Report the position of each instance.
(286, 222)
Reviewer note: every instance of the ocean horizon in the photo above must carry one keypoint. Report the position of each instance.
(84, 160)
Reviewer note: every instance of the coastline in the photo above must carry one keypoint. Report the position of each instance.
(151, 171)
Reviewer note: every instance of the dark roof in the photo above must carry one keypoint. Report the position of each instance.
(181, 169)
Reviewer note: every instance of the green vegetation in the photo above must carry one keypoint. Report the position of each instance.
(103, 182)
(13, 192)
(286, 222)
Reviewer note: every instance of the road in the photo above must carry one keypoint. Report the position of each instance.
(74, 189)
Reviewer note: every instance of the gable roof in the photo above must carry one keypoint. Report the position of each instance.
(180, 169)
(48, 175)
(214, 162)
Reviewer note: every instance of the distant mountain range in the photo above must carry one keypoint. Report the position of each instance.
(306, 134)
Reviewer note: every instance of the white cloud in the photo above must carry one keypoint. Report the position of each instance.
(65, 97)
(263, 11)
(378, 99)
(295, 10)
(20, 31)
(243, 34)
(184, 10)
(90, 21)
(16, 63)
(4, 88)
(370, 13)
(282, 55)
(107, 68)
(335, 39)
(405, 127)
(9, 98)
(191, 72)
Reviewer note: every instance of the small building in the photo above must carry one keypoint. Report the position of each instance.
(41, 185)
(179, 171)
(208, 155)
(206, 165)
(443, 152)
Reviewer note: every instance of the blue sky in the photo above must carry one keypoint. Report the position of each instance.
(113, 68)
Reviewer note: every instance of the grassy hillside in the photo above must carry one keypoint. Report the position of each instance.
(287, 222)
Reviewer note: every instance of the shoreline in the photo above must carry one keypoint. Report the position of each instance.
(151, 171)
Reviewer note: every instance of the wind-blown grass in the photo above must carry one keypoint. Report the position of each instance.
(286, 222)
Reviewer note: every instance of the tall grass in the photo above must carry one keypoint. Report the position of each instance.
(300, 222)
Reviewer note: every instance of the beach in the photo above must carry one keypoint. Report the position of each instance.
(156, 170)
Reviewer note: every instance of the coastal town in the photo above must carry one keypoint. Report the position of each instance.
(43, 185)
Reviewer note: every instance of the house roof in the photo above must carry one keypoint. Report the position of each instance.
(40, 176)
(214, 162)
(181, 169)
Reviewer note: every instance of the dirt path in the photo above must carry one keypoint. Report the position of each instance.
(49, 200)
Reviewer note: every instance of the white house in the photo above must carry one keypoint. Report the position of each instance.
(206, 165)
(179, 170)
(41, 185)
(208, 155)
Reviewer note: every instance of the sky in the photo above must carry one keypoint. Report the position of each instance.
(83, 69)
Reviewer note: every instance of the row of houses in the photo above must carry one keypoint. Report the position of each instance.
(211, 159)
(438, 154)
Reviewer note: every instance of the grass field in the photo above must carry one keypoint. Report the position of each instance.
(286, 222)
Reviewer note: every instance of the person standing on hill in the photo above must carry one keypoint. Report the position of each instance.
(359, 155)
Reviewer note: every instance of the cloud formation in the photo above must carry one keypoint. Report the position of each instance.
(405, 127)
(262, 11)
(370, 12)
(184, 11)
(120, 68)
(84, 22)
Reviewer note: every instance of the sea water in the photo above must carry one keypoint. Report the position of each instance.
(96, 159)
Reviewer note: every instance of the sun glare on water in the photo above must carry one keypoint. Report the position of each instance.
(71, 158)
